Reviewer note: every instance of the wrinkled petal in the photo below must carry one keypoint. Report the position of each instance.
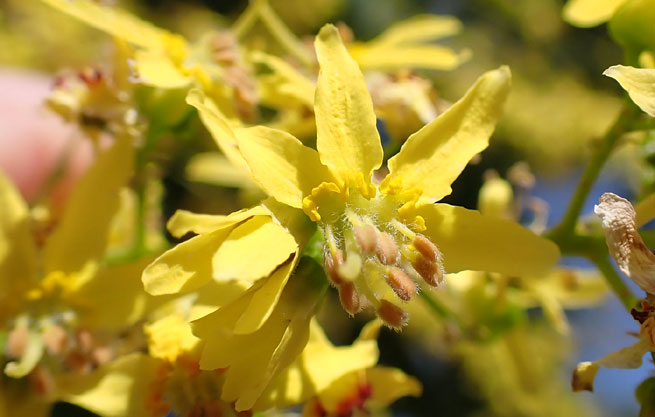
(386, 57)
(79, 236)
(625, 244)
(183, 222)
(117, 389)
(471, 241)
(281, 165)
(253, 250)
(18, 263)
(419, 28)
(629, 357)
(638, 82)
(218, 126)
(118, 23)
(347, 137)
(432, 158)
(588, 13)
(184, 268)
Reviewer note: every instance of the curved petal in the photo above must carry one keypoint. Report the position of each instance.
(432, 158)
(118, 23)
(218, 126)
(419, 28)
(471, 241)
(281, 165)
(638, 82)
(265, 299)
(253, 250)
(588, 13)
(183, 222)
(389, 384)
(386, 57)
(185, 267)
(347, 137)
(80, 236)
(18, 257)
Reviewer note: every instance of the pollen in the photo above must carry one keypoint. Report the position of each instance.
(375, 258)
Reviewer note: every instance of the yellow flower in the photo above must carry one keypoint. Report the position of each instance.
(389, 232)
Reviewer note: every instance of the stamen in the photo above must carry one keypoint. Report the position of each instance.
(366, 238)
(392, 315)
(349, 298)
(402, 228)
(431, 272)
(427, 248)
(387, 249)
(401, 283)
(332, 263)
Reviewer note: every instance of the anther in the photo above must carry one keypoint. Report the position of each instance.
(366, 238)
(386, 249)
(427, 248)
(349, 298)
(55, 339)
(17, 341)
(392, 315)
(401, 283)
(332, 262)
(430, 271)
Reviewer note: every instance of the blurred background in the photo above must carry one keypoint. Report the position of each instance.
(560, 103)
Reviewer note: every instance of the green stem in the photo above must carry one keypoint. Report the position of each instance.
(614, 280)
(621, 125)
(441, 310)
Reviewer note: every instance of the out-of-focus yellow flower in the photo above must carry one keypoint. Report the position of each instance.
(638, 82)
(381, 238)
(60, 301)
(166, 60)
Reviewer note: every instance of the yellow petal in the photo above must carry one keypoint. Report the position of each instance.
(419, 28)
(82, 233)
(218, 126)
(469, 240)
(386, 57)
(118, 23)
(638, 82)
(265, 299)
(389, 384)
(588, 13)
(215, 169)
(432, 158)
(158, 70)
(18, 261)
(281, 165)
(114, 298)
(284, 86)
(184, 268)
(117, 389)
(645, 210)
(347, 138)
(253, 250)
(29, 359)
(183, 222)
